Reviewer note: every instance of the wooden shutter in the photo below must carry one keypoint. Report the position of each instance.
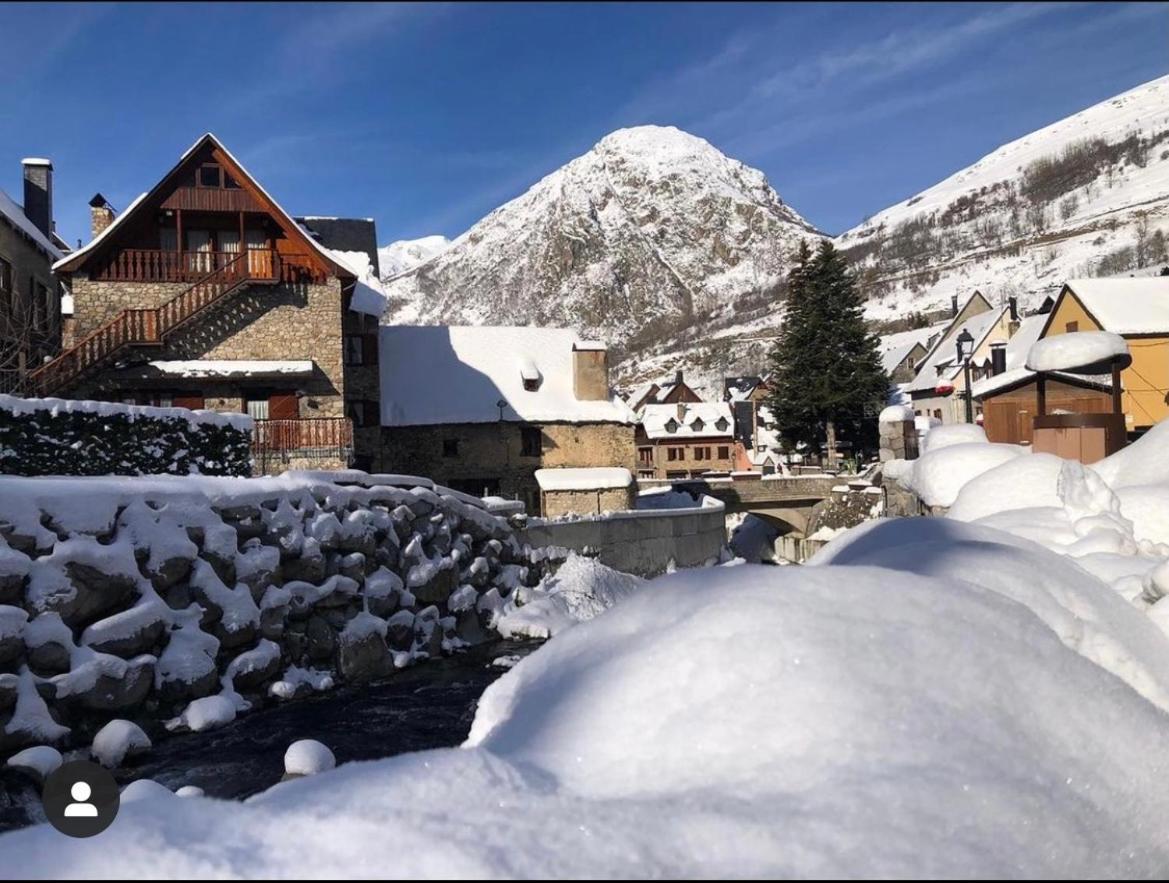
(283, 406)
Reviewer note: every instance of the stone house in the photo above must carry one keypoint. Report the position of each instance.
(589, 491)
(685, 440)
(205, 293)
(30, 300)
(668, 393)
(481, 409)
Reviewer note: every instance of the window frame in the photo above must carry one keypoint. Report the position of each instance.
(527, 434)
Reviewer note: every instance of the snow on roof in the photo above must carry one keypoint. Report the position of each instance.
(458, 374)
(11, 210)
(586, 479)
(943, 354)
(895, 347)
(699, 420)
(368, 295)
(590, 345)
(738, 389)
(36, 161)
(232, 368)
(1077, 350)
(53, 406)
(1008, 379)
(1126, 306)
(636, 397)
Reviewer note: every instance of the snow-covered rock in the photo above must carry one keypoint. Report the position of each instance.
(307, 757)
(118, 740)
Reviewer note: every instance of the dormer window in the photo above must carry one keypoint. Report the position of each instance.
(698, 425)
(530, 375)
(671, 425)
(721, 425)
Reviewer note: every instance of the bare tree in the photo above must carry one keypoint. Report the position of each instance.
(27, 335)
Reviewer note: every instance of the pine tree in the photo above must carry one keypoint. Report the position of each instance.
(826, 368)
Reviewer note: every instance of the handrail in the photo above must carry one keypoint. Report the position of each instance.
(145, 326)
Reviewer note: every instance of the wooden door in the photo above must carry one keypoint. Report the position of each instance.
(283, 406)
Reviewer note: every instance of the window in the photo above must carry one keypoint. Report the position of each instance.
(5, 282)
(208, 175)
(531, 384)
(645, 473)
(698, 425)
(1072, 326)
(671, 425)
(531, 441)
(724, 452)
(645, 456)
(257, 408)
(168, 239)
(354, 349)
(450, 447)
(675, 453)
(702, 453)
(722, 424)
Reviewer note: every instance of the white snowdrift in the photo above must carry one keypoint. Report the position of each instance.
(1070, 352)
(940, 474)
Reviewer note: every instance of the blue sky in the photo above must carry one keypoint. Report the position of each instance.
(425, 117)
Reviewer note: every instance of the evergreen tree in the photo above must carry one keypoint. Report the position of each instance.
(825, 368)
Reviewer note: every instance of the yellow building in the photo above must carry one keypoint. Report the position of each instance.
(1138, 310)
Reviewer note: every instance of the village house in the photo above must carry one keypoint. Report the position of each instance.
(662, 394)
(483, 409)
(205, 293)
(1009, 395)
(30, 301)
(938, 390)
(685, 440)
(902, 351)
(1138, 310)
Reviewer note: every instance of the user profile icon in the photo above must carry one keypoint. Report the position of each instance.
(80, 799)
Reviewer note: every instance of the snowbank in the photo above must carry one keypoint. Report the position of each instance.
(938, 436)
(1074, 351)
(941, 473)
(732, 722)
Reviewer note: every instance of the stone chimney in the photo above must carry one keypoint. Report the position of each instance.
(681, 406)
(38, 193)
(678, 378)
(1013, 324)
(953, 305)
(590, 371)
(101, 215)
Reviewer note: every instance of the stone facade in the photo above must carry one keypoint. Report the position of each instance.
(479, 457)
(653, 456)
(555, 503)
(898, 440)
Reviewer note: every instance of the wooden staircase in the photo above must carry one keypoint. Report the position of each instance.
(151, 327)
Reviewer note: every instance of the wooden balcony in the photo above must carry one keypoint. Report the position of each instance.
(156, 265)
(319, 439)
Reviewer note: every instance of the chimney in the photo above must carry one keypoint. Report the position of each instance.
(1013, 304)
(38, 193)
(953, 305)
(590, 371)
(678, 379)
(998, 358)
(101, 215)
(681, 405)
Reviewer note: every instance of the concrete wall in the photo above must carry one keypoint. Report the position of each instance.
(643, 543)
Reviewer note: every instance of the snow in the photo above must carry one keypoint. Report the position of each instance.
(53, 407)
(581, 589)
(690, 420)
(477, 367)
(1142, 463)
(233, 367)
(940, 474)
(206, 713)
(308, 757)
(294, 677)
(1128, 305)
(43, 759)
(117, 740)
(896, 414)
(1075, 351)
(938, 437)
(368, 296)
(583, 479)
(406, 254)
(897, 346)
(145, 791)
(14, 213)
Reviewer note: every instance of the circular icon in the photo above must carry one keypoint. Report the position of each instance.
(80, 798)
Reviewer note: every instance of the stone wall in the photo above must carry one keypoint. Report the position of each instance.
(555, 503)
(646, 543)
(494, 452)
(688, 463)
(262, 322)
(169, 602)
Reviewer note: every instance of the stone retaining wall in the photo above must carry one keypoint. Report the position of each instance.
(180, 601)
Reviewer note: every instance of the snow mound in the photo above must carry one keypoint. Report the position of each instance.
(938, 436)
(1072, 352)
(116, 741)
(940, 474)
(1145, 461)
(308, 757)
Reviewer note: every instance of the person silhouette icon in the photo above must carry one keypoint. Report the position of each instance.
(81, 807)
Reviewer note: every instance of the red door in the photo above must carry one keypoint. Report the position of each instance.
(283, 406)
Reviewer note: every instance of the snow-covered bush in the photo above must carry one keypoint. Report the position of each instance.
(66, 437)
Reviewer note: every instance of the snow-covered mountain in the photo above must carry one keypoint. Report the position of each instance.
(1086, 196)
(648, 233)
(406, 254)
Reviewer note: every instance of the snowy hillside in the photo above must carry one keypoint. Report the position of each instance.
(406, 254)
(644, 234)
(1086, 196)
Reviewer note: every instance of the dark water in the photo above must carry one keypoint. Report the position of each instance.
(430, 705)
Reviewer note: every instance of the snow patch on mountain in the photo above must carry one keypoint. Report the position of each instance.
(406, 254)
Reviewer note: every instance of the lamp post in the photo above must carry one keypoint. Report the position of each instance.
(965, 345)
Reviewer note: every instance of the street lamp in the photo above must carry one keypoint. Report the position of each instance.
(965, 345)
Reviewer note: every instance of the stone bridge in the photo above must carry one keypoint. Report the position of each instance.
(786, 501)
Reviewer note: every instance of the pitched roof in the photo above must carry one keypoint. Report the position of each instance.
(75, 260)
(943, 356)
(1128, 305)
(895, 347)
(15, 214)
(458, 374)
(699, 420)
(344, 235)
(1016, 373)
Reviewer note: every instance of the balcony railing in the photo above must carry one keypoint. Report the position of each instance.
(280, 444)
(156, 265)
